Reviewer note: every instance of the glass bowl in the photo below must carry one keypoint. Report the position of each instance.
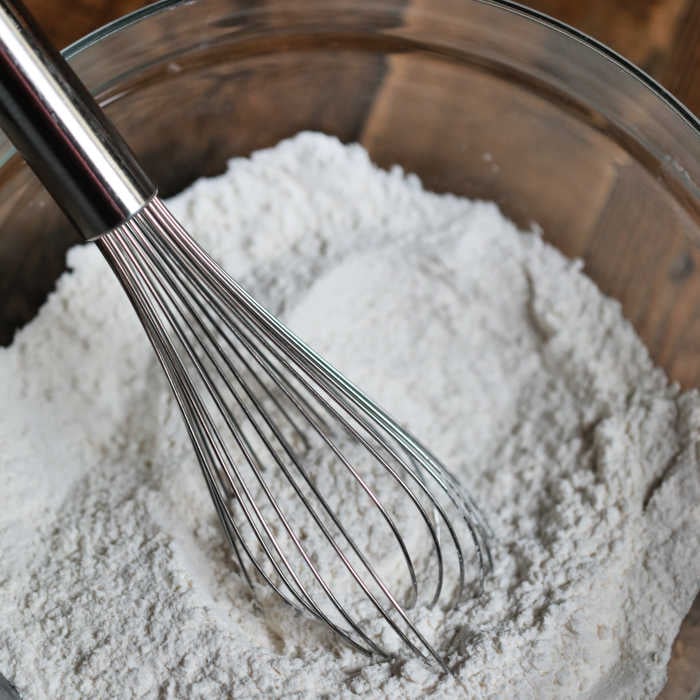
(480, 98)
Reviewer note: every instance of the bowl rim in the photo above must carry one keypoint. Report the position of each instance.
(671, 101)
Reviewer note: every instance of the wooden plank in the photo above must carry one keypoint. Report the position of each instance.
(65, 21)
(641, 30)
(683, 674)
(494, 127)
(640, 255)
(680, 72)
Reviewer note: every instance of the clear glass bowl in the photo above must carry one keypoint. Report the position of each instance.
(484, 99)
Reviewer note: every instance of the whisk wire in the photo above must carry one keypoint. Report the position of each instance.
(311, 416)
(311, 606)
(197, 418)
(251, 346)
(196, 316)
(295, 399)
(248, 454)
(311, 362)
(323, 502)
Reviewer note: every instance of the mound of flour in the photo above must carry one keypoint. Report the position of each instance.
(487, 343)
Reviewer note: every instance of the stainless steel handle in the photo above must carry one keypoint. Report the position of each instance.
(64, 136)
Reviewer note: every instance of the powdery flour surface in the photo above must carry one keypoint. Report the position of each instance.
(487, 343)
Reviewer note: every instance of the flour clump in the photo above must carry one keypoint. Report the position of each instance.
(483, 340)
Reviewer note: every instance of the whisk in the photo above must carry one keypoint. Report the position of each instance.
(322, 496)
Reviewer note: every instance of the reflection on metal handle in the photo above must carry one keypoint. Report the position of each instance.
(55, 123)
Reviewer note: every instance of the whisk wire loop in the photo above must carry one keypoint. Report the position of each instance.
(235, 370)
(246, 448)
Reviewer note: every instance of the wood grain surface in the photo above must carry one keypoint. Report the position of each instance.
(662, 36)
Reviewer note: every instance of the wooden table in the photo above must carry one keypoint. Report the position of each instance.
(661, 36)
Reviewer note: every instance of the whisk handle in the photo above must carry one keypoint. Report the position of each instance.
(53, 120)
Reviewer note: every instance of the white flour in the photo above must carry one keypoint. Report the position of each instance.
(492, 347)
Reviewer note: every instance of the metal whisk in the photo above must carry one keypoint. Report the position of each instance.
(322, 496)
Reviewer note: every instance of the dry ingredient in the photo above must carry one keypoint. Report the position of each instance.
(486, 342)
